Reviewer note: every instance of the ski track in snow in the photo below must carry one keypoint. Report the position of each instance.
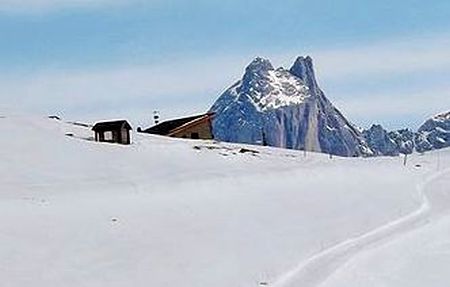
(315, 270)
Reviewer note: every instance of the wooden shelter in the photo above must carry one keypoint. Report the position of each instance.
(194, 127)
(113, 132)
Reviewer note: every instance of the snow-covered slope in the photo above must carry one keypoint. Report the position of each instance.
(168, 212)
(414, 259)
(284, 108)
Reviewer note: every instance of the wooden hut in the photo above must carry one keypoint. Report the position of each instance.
(113, 132)
(194, 127)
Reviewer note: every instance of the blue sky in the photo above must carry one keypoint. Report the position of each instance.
(378, 61)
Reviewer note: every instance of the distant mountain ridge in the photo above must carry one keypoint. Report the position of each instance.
(284, 108)
(433, 134)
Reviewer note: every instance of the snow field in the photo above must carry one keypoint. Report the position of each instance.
(167, 212)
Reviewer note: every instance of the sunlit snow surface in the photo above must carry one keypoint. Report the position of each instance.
(285, 91)
(168, 212)
(418, 258)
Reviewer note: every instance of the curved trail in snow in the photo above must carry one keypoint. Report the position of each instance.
(316, 269)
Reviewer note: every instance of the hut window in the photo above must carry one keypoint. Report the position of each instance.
(108, 136)
(195, 136)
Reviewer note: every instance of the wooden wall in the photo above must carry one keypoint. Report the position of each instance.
(203, 129)
(118, 136)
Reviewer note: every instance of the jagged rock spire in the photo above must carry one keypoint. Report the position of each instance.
(303, 68)
(257, 69)
(284, 108)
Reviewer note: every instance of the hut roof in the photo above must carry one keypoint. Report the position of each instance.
(111, 125)
(165, 128)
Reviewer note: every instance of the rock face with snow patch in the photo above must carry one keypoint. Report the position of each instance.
(284, 108)
(434, 133)
(404, 139)
(380, 142)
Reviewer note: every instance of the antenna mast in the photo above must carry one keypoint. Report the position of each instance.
(156, 117)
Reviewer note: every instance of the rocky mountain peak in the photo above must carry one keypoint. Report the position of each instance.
(380, 141)
(259, 66)
(303, 68)
(284, 108)
(434, 133)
